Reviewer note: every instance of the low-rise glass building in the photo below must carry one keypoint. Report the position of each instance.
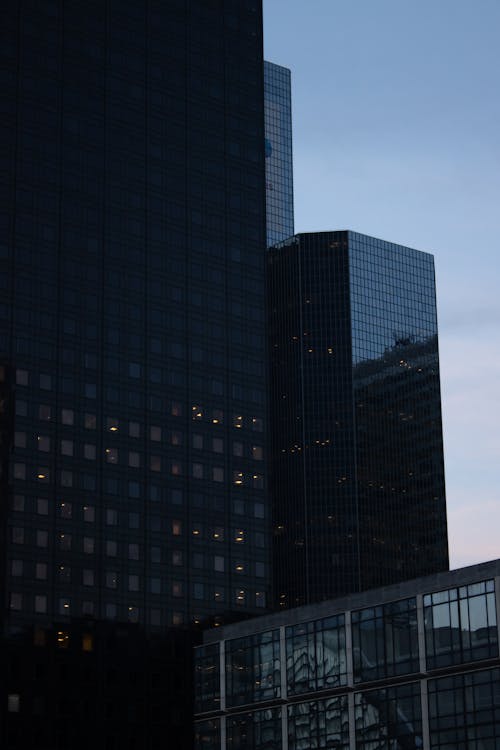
(414, 665)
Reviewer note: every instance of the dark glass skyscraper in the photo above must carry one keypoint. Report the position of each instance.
(358, 478)
(279, 166)
(133, 383)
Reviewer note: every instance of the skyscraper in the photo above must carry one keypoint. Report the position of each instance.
(279, 166)
(131, 319)
(358, 478)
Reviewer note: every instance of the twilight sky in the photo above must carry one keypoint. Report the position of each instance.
(396, 116)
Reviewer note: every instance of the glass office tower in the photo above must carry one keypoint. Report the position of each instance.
(132, 354)
(279, 166)
(358, 478)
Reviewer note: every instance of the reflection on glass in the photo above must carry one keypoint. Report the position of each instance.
(315, 655)
(207, 678)
(389, 719)
(385, 640)
(319, 724)
(464, 711)
(253, 668)
(259, 730)
(461, 625)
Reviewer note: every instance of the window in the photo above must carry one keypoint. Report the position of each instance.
(89, 451)
(18, 503)
(67, 416)
(89, 513)
(257, 452)
(111, 548)
(88, 545)
(218, 474)
(67, 447)
(176, 557)
(42, 538)
(134, 459)
(134, 429)
(44, 413)
(219, 563)
(16, 567)
(65, 509)
(155, 433)
(90, 421)
(20, 439)
(64, 541)
(155, 463)
(176, 437)
(111, 579)
(88, 577)
(18, 535)
(42, 506)
(133, 583)
(198, 442)
(198, 471)
(111, 455)
(218, 445)
(21, 377)
(13, 703)
(133, 551)
(41, 571)
(176, 528)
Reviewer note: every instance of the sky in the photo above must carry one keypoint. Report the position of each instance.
(396, 128)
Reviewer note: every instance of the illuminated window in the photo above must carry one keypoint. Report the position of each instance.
(64, 607)
(197, 530)
(239, 536)
(238, 421)
(218, 534)
(176, 528)
(176, 588)
(112, 424)
(175, 468)
(217, 416)
(176, 409)
(196, 412)
(111, 455)
(87, 642)
(260, 599)
(65, 509)
(62, 636)
(239, 596)
(239, 567)
(42, 474)
(133, 614)
(176, 437)
(237, 478)
(177, 618)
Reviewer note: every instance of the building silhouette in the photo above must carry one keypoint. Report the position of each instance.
(132, 357)
(357, 457)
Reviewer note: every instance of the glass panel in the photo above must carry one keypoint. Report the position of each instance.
(389, 718)
(253, 668)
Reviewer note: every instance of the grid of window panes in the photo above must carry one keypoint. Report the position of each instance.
(258, 730)
(207, 734)
(385, 641)
(312, 431)
(389, 719)
(398, 439)
(319, 724)
(279, 167)
(316, 655)
(464, 711)
(207, 678)
(461, 625)
(253, 668)
(132, 311)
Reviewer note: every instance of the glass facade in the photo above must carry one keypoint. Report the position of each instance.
(365, 677)
(316, 655)
(253, 669)
(279, 165)
(385, 641)
(461, 625)
(358, 478)
(132, 230)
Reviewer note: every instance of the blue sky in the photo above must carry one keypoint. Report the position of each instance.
(396, 107)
